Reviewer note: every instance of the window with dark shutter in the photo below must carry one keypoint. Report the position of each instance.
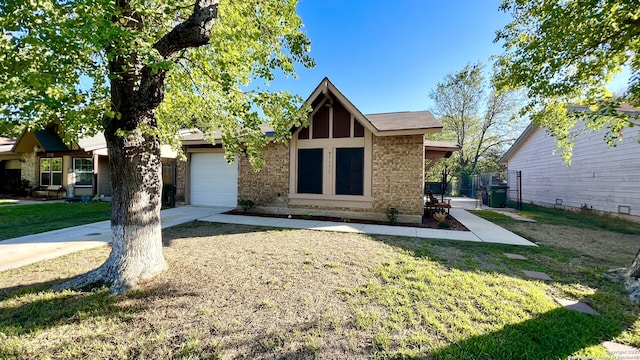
(310, 171)
(349, 171)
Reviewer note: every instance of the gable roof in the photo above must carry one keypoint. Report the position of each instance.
(526, 134)
(385, 124)
(50, 141)
(47, 140)
(6, 144)
(404, 120)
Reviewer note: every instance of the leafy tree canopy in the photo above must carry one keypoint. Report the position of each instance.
(565, 53)
(476, 117)
(55, 58)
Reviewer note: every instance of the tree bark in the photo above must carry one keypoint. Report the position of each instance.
(134, 156)
(633, 279)
(136, 180)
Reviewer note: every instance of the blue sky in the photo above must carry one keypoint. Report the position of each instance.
(386, 56)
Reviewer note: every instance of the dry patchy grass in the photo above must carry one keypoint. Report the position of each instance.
(249, 292)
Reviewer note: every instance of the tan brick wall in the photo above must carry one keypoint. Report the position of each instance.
(264, 186)
(398, 173)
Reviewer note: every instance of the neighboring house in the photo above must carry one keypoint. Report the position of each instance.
(44, 160)
(344, 164)
(9, 167)
(601, 178)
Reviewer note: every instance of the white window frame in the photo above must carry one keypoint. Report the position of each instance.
(77, 171)
(51, 172)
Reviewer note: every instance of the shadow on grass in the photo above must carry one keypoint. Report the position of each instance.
(206, 229)
(553, 335)
(45, 310)
(36, 310)
(21, 290)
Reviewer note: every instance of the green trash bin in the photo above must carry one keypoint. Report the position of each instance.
(498, 196)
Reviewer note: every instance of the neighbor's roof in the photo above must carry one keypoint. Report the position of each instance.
(404, 120)
(625, 108)
(519, 141)
(93, 143)
(532, 128)
(6, 144)
(50, 141)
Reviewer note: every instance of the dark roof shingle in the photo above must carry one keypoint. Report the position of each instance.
(405, 120)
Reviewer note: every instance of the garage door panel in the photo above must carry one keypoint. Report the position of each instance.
(214, 182)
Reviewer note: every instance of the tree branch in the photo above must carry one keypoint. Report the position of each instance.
(206, 73)
(193, 32)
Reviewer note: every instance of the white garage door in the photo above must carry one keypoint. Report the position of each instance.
(213, 181)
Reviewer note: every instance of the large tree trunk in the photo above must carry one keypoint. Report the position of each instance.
(136, 180)
(633, 279)
(134, 155)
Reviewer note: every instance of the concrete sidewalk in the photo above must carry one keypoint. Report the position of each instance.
(480, 230)
(33, 248)
(29, 249)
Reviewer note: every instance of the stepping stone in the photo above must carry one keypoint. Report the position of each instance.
(620, 351)
(576, 306)
(515, 256)
(537, 275)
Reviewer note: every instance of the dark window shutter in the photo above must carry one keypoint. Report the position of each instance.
(310, 171)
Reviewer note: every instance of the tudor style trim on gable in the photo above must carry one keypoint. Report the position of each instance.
(331, 160)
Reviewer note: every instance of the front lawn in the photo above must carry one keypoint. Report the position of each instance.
(20, 220)
(249, 292)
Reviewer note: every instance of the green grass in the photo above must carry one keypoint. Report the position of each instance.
(235, 291)
(20, 220)
(582, 218)
(415, 306)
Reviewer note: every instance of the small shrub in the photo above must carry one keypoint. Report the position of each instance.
(392, 215)
(307, 216)
(444, 225)
(440, 217)
(345, 219)
(246, 205)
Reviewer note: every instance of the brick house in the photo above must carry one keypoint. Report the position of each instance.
(344, 164)
(44, 160)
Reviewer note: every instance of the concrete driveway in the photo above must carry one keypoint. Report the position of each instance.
(29, 249)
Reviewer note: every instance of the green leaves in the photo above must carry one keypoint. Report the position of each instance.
(566, 52)
(225, 85)
(474, 116)
(55, 58)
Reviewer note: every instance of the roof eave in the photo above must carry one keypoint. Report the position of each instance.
(327, 86)
(516, 145)
(402, 132)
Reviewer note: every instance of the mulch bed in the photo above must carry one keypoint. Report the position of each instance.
(427, 222)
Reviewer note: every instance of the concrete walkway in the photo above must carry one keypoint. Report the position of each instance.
(29, 249)
(33, 248)
(480, 230)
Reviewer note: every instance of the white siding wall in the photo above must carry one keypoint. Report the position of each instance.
(600, 176)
